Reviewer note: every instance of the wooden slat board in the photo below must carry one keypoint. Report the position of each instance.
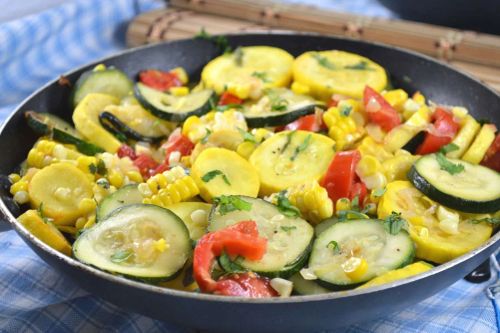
(476, 54)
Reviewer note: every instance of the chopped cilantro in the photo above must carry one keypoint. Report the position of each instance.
(100, 168)
(334, 246)
(231, 266)
(288, 228)
(355, 203)
(344, 215)
(230, 203)
(288, 141)
(323, 61)
(362, 65)
(345, 110)
(238, 56)
(261, 75)
(222, 108)
(121, 256)
(285, 206)
(394, 223)
(446, 165)
(207, 134)
(220, 41)
(300, 148)
(490, 220)
(448, 148)
(214, 173)
(248, 137)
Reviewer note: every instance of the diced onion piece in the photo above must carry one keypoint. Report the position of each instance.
(282, 286)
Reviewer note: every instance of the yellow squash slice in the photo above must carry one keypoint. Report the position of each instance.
(219, 171)
(46, 232)
(398, 274)
(86, 119)
(194, 215)
(432, 242)
(291, 158)
(60, 189)
(337, 72)
(248, 70)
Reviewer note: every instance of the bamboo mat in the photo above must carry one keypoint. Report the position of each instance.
(474, 53)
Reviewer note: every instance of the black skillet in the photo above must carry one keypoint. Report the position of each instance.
(408, 70)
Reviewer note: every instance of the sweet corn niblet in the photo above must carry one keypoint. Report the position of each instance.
(341, 127)
(45, 152)
(169, 187)
(196, 128)
(312, 200)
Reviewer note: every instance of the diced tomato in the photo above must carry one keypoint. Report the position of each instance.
(126, 151)
(159, 80)
(145, 164)
(159, 169)
(228, 98)
(445, 128)
(492, 157)
(246, 285)
(238, 239)
(335, 99)
(312, 123)
(379, 111)
(341, 180)
(177, 142)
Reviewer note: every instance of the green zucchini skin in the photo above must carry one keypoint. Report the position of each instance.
(281, 118)
(109, 120)
(463, 205)
(165, 268)
(61, 131)
(126, 195)
(111, 81)
(259, 212)
(171, 114)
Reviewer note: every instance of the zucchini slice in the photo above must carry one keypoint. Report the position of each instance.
(111, 122)
(279, 106)
(288, 239)
(110, 81)
(398, 274)
(433, 242)
(306, 287)
(126, 195)
(356, 251)
(59, 130)
(337, 72)
(248, 70)
(143, 242)
(194, 215)
(174, 108)
(476, 189)
(291, 158)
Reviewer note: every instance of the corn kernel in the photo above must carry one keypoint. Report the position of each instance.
(181, 74)
(419, 98)
(245, 149)
(161, 245)
(19, 186)
(14, 177)
(396, 98)
(87, 205)
(179, 91)
(134, 176)
(355, 268)
(21, 197)
(367, 166)
(115, 178)
(90, 222)
(99, 67)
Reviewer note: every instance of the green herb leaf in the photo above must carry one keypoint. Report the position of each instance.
(280, 105)
(42, 214)
(344, 215)
(222, 108)
(379, 192)
(394, 223)
(355, 203)
(448, 166)
(207, 135)
(121, 256)
(362, 66)
(100, 168)
(248, 137)
(238, 56)
(334, 246)
(220, 41)
(261, 75)
(230, 203)
(345, 110)
(448, 148)
(300, 148)
(214, 173)
(288, 228)
(103, 182)
(288, 141)
(231, 266)
(285, 206)
(491, 220)
(323, 61)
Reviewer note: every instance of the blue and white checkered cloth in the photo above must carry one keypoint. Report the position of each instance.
(34, 297)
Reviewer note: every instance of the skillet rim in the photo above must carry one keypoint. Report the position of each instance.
(7, 216)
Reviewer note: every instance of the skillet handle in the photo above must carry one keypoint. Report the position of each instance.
(481, 273)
